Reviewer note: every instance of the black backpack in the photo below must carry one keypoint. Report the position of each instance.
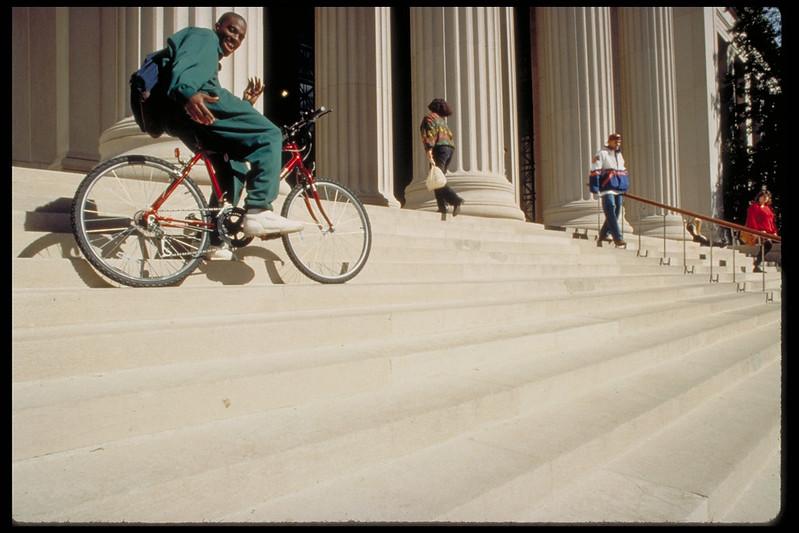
(148, 99)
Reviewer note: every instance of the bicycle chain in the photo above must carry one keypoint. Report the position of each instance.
(162, 238)
(222, 217)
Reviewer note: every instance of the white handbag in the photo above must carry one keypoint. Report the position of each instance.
(435, 178)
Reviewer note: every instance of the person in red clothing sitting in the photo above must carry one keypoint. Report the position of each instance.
(759, 216)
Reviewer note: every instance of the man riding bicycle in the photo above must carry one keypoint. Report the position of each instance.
(207, 116)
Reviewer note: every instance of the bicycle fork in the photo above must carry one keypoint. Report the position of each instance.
(312, 188)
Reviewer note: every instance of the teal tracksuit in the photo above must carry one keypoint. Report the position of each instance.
(239, 129)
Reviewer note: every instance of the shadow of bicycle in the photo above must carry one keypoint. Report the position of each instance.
(241, 272)
(58, 242)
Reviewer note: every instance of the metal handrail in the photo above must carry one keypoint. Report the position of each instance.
(718, 221)
(733, 226)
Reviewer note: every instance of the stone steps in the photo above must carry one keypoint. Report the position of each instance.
(49, 235)
(692, 254)
(266, 269)
(391, 247)
(258, 267)
(722, 444)
(519, 460)
(476, 369)
(135, 341)
(41, 306)
(278, 444)
(760, 501)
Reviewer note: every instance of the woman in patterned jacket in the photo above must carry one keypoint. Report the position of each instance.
(438, 145)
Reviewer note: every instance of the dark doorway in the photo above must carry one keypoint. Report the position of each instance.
(289, 62)
(525, 22)
(403, 134)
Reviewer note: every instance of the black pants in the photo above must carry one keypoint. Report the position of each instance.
(762, 252)
(445, 195)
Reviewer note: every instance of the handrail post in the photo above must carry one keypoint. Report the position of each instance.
(640, 217)
(711, 261)
(762, 260)
(621, 216)
(664, 235)
(711, 256)
(684, 249)
(734, 252)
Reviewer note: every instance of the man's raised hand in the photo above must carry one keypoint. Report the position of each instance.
(255, 88)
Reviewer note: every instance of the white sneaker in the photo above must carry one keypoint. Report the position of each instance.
(218, 253)
(258, 222)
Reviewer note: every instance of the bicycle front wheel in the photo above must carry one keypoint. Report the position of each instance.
(337, 238)
(124, 238)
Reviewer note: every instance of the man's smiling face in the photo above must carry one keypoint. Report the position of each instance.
(231, 32)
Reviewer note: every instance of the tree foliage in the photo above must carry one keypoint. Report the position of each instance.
(755, 136)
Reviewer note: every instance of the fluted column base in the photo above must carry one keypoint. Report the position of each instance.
(652, 226)
(125, 137)
(585, 214)
(377, 198)
(484, 196)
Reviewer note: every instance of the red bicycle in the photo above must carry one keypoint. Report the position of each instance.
(141, 221)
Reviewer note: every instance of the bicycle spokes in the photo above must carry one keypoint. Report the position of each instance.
(337, 238)
(126, 239)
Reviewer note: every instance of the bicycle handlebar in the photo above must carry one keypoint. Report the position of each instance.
(307, 118)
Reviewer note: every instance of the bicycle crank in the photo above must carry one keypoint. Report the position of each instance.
(230, 223)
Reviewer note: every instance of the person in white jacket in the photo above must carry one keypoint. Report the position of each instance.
(610, 180)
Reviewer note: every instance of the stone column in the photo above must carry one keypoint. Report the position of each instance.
(40, 72)
(576, 108)
(353, 78)
(82, 90)
(134, 32)
(697, 32)
(649, 120)
(457, 53)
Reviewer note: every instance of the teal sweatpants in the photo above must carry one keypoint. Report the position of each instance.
(245, 135)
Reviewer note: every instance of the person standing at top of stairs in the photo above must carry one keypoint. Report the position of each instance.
(609, 179)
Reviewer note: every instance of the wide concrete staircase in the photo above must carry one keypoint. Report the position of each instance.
(477, 370)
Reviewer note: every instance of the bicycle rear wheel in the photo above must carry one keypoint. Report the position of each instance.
(325, 253)
(122, 237)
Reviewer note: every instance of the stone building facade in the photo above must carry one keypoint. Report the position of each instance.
(652, 73)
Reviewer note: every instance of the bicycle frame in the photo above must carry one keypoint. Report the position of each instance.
(295, 162)
(183, 223)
